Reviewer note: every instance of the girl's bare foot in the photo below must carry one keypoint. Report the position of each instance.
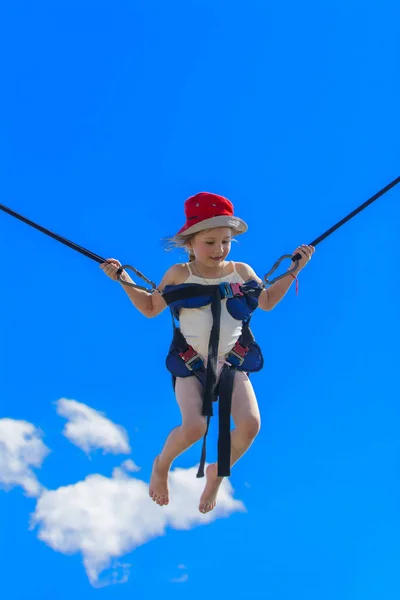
(158, 488)
(208, 500)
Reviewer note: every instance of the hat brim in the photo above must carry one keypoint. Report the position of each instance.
(238, 225)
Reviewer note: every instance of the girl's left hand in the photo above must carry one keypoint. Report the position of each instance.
(306, 254)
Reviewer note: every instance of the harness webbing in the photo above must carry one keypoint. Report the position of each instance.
(225, 387)
(208, 375)
(210, 378)
(212, 358)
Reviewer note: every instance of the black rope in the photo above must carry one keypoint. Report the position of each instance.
(295, 259)
(55, 236)
(82, 250)
(355, 212)
(101, 260)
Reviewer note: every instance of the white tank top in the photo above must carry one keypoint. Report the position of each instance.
(196, 323)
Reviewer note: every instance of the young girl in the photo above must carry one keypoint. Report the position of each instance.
(207, 235)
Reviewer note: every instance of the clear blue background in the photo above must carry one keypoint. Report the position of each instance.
(111, 115)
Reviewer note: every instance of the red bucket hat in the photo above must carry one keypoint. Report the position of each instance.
(206, 210)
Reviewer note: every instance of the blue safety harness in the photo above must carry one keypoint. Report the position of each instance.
(246, 355)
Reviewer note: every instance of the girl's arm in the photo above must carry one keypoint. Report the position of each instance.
(150, 305)
(270, 297)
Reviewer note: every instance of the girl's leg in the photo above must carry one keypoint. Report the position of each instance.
(246, 417)
(188, 393)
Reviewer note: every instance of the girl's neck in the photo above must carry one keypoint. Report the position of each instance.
(209, 272)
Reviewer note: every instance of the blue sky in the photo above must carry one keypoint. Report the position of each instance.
(111, 115)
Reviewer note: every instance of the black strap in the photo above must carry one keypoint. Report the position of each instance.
(224, 434)
(200, 472)
(225, 391)
(247, 336)
(191, 290)
(212, 358)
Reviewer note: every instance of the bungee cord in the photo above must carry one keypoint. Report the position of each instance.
(295, 259)
(83, 251)
(324, 235)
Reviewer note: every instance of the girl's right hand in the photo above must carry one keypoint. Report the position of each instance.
(110, 268)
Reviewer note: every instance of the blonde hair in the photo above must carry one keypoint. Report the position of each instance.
(182, 241)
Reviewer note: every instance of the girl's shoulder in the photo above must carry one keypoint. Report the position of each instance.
(246, 272)
(175, 275)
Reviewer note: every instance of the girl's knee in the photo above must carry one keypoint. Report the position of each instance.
(194, 430)
(249, 427)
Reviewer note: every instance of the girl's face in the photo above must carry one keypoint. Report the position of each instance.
(212, 246)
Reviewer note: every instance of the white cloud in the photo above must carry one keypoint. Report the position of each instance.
(182, 579)
(129, 465)
(105, 518)
(185, 490)
(21, 448)
(89, 429)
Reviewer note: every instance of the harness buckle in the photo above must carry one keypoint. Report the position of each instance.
(236, 289)
(237, 355)
(225, 290)
(230, 290)
(191, 359)
(239, 349)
